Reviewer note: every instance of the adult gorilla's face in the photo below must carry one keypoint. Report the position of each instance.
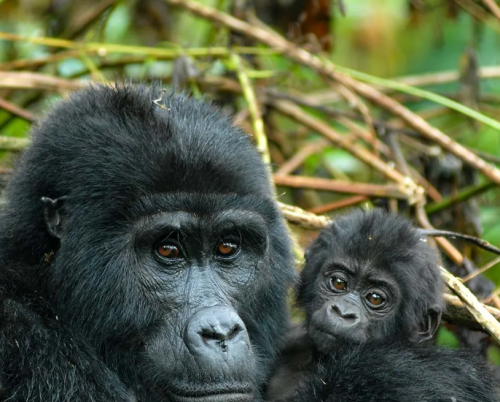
(170, 254)
(203, 269)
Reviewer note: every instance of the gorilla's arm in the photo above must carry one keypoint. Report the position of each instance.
(293, 366)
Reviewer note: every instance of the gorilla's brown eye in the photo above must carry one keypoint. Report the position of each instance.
(375, 299)
(167, 250)
(338, 283)
(227, 248)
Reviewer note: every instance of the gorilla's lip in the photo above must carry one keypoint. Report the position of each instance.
(324, 331)
(219, 397)
(218, 393)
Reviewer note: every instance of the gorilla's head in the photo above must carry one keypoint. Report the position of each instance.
(371, 276)
(148, 222)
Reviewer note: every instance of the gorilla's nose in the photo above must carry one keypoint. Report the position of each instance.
(216, 333)
(344, 312)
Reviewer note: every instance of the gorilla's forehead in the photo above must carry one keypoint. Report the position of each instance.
(195, 221)
(368, 269)
(203, 204)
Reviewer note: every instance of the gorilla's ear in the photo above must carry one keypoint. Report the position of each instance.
(429, 324)
(52, 215)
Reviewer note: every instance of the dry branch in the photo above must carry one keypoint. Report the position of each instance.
(475, 307)
(457, 313)
(16, 110)
(495, 10)
(302, 218)
(316, 183)
(13, 143)
(24, 80)
(327, 69)
(344, 203)
(302, 154)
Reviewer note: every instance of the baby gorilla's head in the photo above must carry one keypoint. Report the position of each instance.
(370, 276)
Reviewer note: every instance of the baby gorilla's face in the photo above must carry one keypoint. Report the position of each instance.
(370, 277)
(353, 303)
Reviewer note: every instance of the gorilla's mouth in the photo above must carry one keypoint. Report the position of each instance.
(225, 397)
(225, 393)
(326, 333)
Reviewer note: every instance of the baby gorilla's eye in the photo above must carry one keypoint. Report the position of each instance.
(168, 250)
(338, 284)
(375, 299)
(227, 248)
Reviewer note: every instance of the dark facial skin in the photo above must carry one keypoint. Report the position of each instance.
(199, 267)
(142, 242)
(352, 303)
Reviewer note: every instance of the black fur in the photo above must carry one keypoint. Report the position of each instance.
(89, 311)
(350, 350)
(398, 373)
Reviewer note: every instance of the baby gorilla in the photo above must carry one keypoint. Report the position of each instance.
(372, 294)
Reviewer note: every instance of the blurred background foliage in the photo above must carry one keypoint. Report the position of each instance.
(448, 47)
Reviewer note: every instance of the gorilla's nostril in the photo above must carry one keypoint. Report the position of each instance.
(235, 331)
(211, 334)
(219, 333)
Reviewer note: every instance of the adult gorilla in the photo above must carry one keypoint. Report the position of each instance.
(143, 257)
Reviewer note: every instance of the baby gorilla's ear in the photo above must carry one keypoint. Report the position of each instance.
(429, 324)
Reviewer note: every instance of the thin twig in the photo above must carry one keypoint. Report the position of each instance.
(316, 183)
(481, 270)
(495, 10)
(13, 143)
(492, 297)
(27, 80)
(463, 195)
(253, 108)
(345, 203)
(355, 102)
(479, 13)
(105, 48)
(298, 159)
(449, 249)
(471, 239)
(16, 110)
(38, 62)
(89, 15)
